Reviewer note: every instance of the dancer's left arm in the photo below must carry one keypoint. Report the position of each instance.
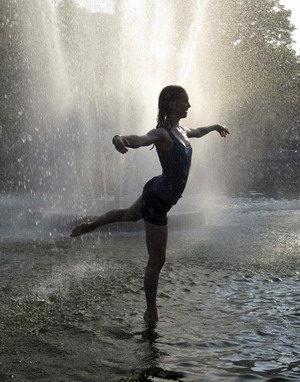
(201, 131)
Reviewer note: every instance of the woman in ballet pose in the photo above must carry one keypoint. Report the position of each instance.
(161, 192)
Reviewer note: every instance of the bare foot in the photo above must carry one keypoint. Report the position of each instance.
(151, 317)
(81, 229)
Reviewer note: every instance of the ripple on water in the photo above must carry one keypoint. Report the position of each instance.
(228, 302)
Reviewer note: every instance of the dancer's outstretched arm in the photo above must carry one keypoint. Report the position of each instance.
(155, 136)
(201, 131)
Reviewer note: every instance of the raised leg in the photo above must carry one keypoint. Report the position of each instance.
(133, 213)
(156, 240)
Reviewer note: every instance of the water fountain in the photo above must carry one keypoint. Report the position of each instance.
(92, 75)
(71, 309)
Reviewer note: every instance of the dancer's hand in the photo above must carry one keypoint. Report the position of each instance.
(222, 130)
(81, 229)
(120, 144)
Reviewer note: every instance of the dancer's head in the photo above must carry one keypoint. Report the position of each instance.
(167, 102)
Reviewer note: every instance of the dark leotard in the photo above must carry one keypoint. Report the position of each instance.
(163, 191)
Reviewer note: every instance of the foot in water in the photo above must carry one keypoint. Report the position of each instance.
(81, 229)
(151, 317)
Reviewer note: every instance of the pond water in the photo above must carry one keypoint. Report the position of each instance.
(229, 300)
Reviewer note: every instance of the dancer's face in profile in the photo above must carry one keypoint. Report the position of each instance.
(180, 106)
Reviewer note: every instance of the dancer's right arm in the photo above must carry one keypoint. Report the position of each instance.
(155, 136)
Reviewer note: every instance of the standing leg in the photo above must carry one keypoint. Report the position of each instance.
(133, 213)
(156, 240)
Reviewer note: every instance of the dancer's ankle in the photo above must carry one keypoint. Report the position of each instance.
(151, 316)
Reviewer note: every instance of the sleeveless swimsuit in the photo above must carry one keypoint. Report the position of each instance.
(163, 191)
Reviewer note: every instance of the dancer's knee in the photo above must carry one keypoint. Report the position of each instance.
(161, 262)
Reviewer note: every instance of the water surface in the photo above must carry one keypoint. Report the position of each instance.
(229, 297)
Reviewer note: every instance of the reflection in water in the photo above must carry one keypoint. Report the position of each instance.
(151, 360)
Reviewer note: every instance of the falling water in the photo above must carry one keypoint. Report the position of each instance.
(189, 55)
(92, 76)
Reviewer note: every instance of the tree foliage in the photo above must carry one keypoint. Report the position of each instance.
(10, 70)
(12, 86)
(255, 70)
(253, 82)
